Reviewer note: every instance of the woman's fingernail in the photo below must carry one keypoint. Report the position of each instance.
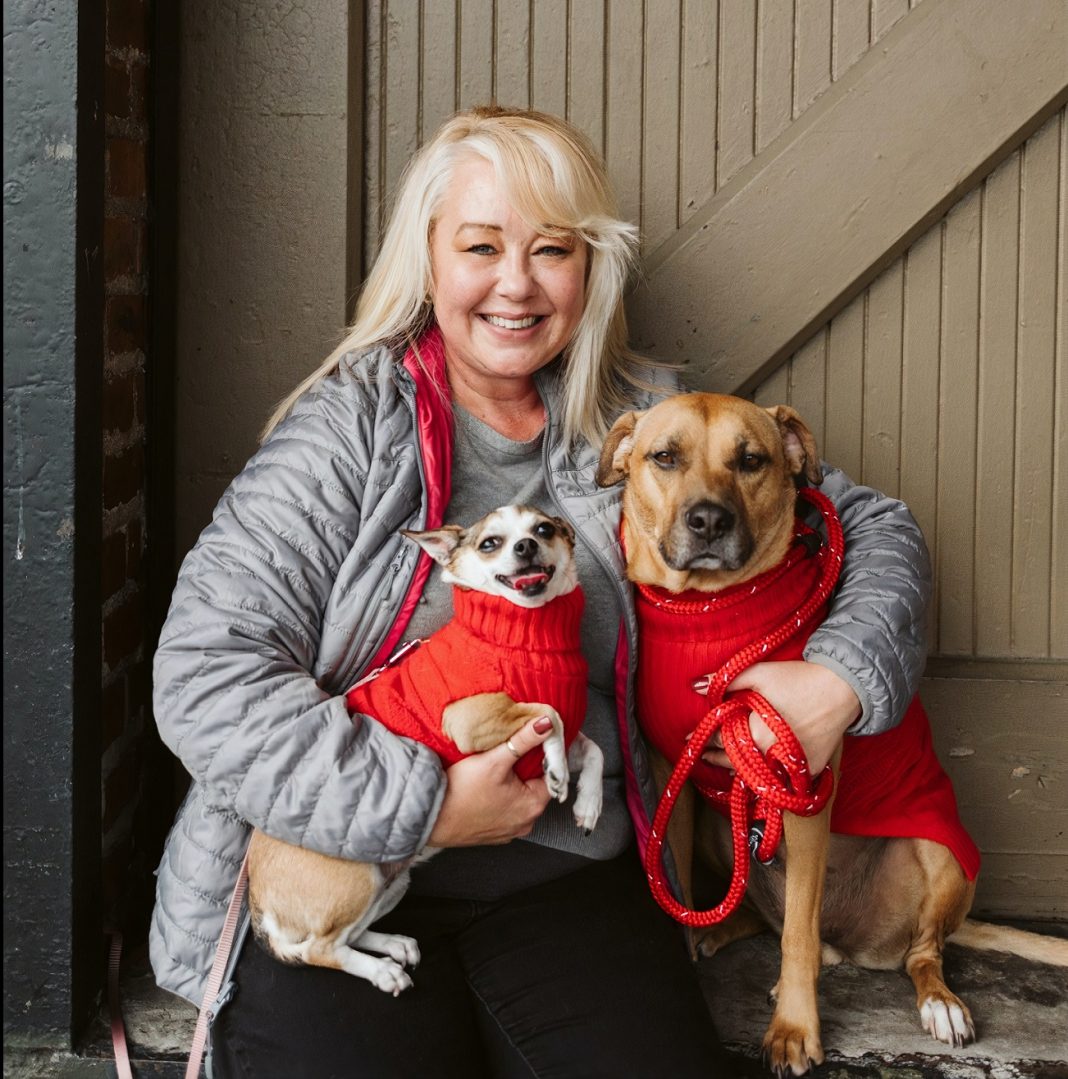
(542, 725)
(701, 684)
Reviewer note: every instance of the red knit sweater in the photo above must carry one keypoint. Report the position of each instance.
(490, 646)
(890, 784)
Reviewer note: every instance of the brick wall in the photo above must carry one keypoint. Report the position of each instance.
(127, 738)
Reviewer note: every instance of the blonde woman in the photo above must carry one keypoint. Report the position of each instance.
(487, 360)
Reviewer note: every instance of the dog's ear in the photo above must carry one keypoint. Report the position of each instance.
(565, 529)
(615, 453)
(799, 444)
(439, 543)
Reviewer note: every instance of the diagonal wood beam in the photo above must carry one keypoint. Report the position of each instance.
(929, 111)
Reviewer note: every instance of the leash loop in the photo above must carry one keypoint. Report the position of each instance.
(764, 786)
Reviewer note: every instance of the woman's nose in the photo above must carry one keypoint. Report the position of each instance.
(516, 280)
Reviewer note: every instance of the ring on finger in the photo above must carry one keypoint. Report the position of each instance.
(511, 749)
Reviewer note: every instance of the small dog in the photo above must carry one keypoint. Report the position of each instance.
(709, 503)
(514, 640)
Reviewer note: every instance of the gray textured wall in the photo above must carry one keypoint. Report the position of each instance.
(262, 226)
(52, 306)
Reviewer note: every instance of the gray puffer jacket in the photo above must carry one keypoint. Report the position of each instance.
(301, 581)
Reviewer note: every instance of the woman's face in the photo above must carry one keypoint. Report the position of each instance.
(507, 299)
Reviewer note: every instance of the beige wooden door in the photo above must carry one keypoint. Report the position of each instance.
(860, 208)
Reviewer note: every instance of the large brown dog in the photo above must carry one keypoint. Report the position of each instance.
(709, 502)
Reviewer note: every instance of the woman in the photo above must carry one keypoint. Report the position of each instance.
(487, 359)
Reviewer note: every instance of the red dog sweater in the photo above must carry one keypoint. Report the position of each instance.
(890, 784)
(491, 645)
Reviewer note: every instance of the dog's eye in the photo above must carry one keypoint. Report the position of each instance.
(664, 459)
(751, 462)
(489, 544)
(545, 531)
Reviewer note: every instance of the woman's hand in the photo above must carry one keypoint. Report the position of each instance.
(485, 801)
(816, 702)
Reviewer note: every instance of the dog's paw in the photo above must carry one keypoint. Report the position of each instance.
(791, 1050)
(947, 1020)
(404, 949)
(587, 808)
(556, 777)
(390, 977)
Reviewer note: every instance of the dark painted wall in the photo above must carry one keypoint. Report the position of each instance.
(53, 299)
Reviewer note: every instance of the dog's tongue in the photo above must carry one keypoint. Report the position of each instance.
(529, 580)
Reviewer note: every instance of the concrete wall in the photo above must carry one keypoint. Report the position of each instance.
(262, 226)
(53, 305)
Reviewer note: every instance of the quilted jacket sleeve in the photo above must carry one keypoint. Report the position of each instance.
(234, 697)
(874, 635)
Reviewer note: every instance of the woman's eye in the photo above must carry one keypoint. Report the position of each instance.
(664, 458)
(481, 249)
(554, 251)
(489, 544)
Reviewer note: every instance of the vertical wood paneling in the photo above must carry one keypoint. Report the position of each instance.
(586, 47)
(997, 389)
(440, 40)
(548, 60)
(476, 52)
(374, 93)
(401, 131)
(660, 135)
(885, 13)
(775, 390)
(699, 94)
(1032, 515)
(945, 380)
(882, 380)
(774, 107)
(852, 34)
(623, 128)
(957, 428)
(845, 388)
(511, 81)
(1058, 596)
(808, 374)
(812, 68)
(920, 375)
(737, 73)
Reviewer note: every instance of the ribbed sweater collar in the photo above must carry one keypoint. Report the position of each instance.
(551, 627)
(743, 611)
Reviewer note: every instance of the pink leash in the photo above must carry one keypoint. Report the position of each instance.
(211, 990)
(218, 969)
(118, 1030)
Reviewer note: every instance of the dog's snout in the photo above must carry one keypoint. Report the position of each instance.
(709, 520)
(526, 547)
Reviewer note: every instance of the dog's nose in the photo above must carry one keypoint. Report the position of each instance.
(709, 520)
(526, 547)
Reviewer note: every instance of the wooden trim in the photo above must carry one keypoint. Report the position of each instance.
(354, 194)
(998, 670)
(811, 221)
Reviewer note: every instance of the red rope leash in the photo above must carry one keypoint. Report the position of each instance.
(763, 787)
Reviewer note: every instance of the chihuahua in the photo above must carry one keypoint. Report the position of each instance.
(509, 655)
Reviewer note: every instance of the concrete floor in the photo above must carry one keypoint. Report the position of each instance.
(870, 1026)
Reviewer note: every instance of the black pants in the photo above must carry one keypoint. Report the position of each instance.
(577, 978)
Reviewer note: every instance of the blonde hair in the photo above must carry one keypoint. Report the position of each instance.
(555, 181)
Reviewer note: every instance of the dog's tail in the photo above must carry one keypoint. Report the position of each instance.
(1036, 947)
